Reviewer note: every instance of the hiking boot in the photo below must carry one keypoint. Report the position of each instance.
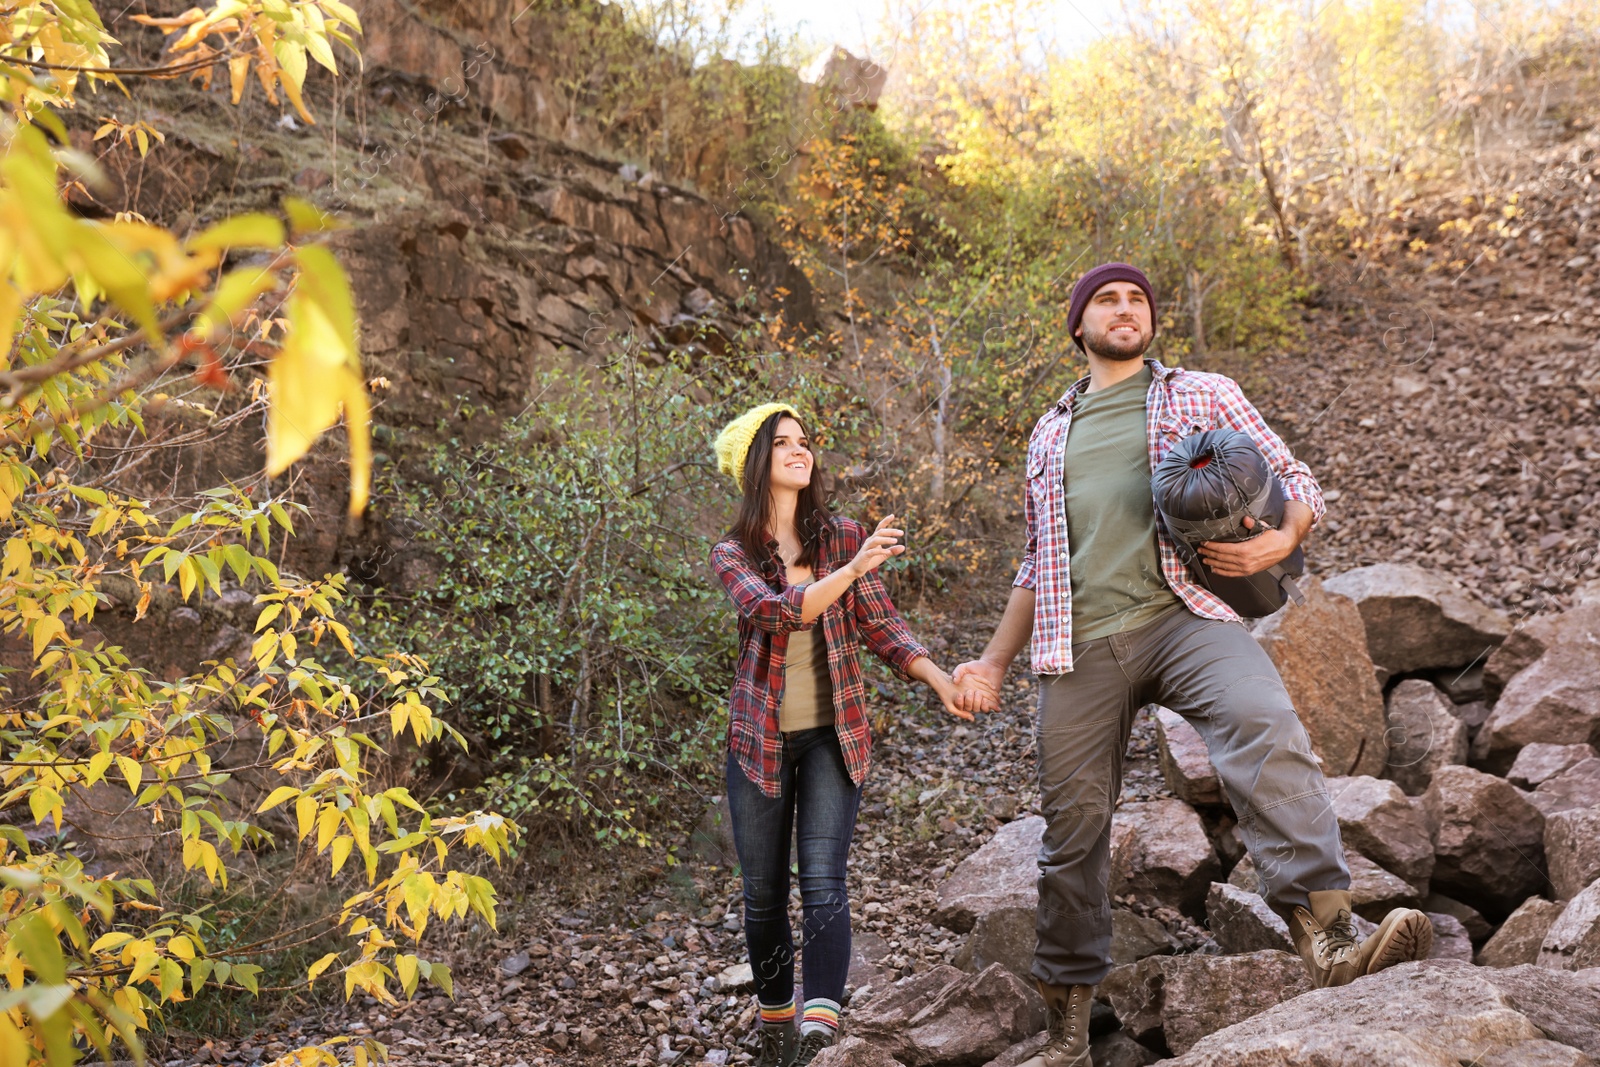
(778, 1045)
(1404, 935)
(1325, 937)
(1067, 1019)
(810, 1045)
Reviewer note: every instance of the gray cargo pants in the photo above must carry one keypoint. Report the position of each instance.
(1216, 676)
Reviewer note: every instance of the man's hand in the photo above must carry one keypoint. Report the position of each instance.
(950, 695)
(978, 682)
(1240, 559)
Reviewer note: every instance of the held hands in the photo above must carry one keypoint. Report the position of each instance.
(963, 698)
(977, 686)
(1240, 559)
(884, 543)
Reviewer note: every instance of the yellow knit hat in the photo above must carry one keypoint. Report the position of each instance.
(733, 443)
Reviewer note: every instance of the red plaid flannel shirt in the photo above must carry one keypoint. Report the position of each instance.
(1180, 403)
(769, 611)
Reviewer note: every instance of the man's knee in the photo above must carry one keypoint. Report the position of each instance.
(1258, 711)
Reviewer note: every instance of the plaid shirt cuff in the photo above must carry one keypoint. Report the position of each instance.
(1305, 489)
(902, 657)
(1025, 576)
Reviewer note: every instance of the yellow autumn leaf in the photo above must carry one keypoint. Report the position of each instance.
(238, 74)
(321, 965)
(312, 380)
(45, 629)
(341, 852)
(305, 812)
(132, 770)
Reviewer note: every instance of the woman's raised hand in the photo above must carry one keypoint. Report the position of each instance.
(884, 543)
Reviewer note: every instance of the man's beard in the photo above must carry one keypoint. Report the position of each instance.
(1100, 344)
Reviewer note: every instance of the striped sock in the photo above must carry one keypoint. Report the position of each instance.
(778, 1014)
(821, 1016)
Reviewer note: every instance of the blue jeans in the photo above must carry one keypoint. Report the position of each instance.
(817, 804)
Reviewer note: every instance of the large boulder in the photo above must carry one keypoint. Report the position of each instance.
(1556, 701)
(1573, 942)
(1240, 921)
(1538, 763)
(1374, 892)
(1489, 840)
(1160, 852)
(1519, 937)
(1471, 919)
(1188, 997)
(1320, 650)
(1021, 1051)
(1417, 619)
(1439, 1013)
(1134, 936)
(1576, 787)
(1379, 821)
(1572, 847)
(1120, 1050)
(852, 1051)
(1531, 638)
(1450, 938)
(1115, 1049)
(1185, 763)
(1424, 735)
(945, 1017)
(1003, 874)
(1007, 936)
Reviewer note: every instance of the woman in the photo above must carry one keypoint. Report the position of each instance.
(808, 595)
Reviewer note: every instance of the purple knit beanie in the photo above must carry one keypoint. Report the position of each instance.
(1090, 284)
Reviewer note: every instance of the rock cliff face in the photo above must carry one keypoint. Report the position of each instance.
(484, 250)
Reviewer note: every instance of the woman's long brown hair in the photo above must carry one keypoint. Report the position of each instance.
(811, 514)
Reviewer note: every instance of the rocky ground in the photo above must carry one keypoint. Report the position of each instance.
(1483, 809)
(573, 987)
(1446, 397)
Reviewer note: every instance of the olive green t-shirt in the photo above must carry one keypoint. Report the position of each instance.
(1111, 518)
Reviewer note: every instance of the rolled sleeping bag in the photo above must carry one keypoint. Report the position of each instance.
(1203, 488)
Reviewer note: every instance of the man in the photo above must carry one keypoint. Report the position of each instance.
(1116, 623)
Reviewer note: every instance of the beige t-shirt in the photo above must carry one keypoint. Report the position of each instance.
(807, 688)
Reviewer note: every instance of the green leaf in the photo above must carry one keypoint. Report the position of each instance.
(93, 496)
(245, 974)
(441, 978)
(199, 971)
(35, 941)
(238, 557)
(171, 978)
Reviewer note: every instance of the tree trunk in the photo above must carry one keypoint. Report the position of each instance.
(941, 420)
(1197, 299)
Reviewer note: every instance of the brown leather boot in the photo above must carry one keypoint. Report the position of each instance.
(1325, 937)
(1067, 1019)
(1405, 934)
